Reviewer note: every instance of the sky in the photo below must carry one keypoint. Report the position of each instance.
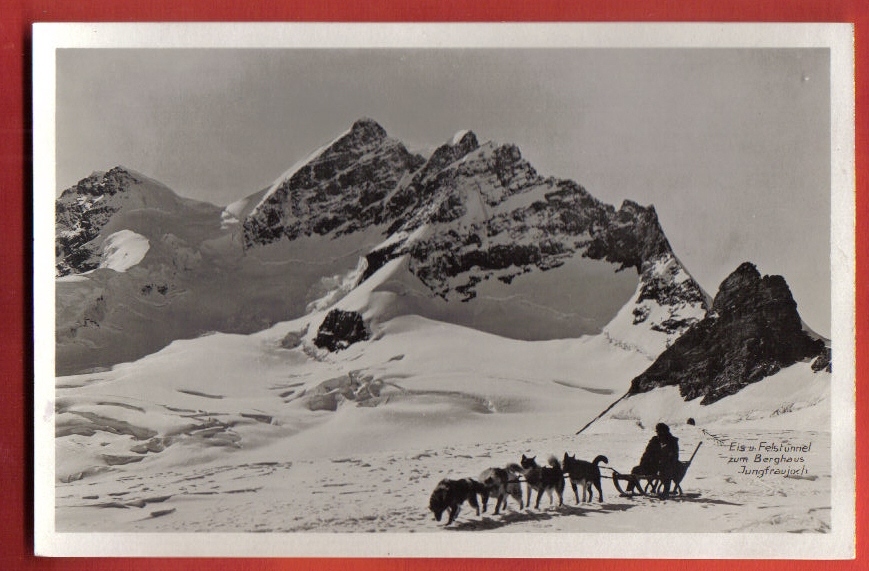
(731, 146)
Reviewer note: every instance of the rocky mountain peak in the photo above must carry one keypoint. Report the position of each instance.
(339, 189)
(462, 144)
(100, 183)
(745, 290)
(363, 132)
(368, 125)
(752, 331)
(741, 282)
(466, 139)
(633, 237)
(82, 211)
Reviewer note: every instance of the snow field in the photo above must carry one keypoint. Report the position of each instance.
(235, 449)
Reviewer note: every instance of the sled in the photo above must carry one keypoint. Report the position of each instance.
(649, 485)
(641, 483)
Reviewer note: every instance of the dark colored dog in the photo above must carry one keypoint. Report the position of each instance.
(586, 474)
(543, 479)
(449, 495)
(500, 484)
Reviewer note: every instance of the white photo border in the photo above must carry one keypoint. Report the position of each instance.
(838, 38)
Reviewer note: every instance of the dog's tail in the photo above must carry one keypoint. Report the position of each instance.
(514, 468)
(601, 458)
(476, 486)
(553, 461)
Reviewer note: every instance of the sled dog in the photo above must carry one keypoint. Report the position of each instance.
(449, 495)
(500, 484)
(585, 474)
(543, 479)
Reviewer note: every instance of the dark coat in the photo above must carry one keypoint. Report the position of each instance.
(661, 456)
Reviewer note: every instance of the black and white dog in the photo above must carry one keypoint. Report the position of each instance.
(500, 483)
(543, 479)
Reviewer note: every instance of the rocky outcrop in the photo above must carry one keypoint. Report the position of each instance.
(824, 362)
(340, 329)
(751, 332)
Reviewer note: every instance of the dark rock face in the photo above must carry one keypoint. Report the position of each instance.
(447, 154)
(341, 329)
(494, 215)
(824, 362)
(422, 189)
(630, 237)
(752, 331)
(340, 190)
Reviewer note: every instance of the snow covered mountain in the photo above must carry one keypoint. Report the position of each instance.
(363, 232)
(484, 241)
(496, 246)
(403, 319)
(139, 267)
(88, 214)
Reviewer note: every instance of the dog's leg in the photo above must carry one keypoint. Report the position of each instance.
(454, 513)
(575, 492)
(515, 493)
(599, 492)
(473, 501)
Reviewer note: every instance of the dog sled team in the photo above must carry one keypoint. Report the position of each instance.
(660, 459)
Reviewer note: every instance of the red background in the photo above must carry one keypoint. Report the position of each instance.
(16, 375)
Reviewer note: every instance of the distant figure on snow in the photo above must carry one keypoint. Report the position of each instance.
(661, 459)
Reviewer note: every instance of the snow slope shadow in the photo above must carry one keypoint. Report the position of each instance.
(489, 523)
(697, 499)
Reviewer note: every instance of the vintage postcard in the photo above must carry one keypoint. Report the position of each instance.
(414, 290)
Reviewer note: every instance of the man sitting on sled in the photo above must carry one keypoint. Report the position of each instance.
(661, 459)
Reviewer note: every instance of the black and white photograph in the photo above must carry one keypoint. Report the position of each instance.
(401, 290)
